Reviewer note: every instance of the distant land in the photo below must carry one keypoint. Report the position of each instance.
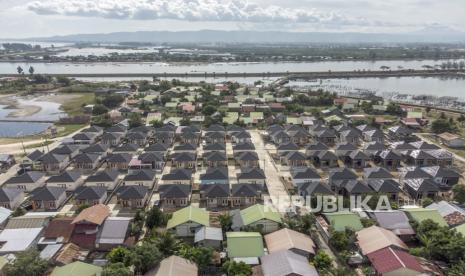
(429, 35)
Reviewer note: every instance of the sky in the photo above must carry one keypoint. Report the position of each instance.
(41, 18)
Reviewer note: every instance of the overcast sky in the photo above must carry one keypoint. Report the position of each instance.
(38, 18)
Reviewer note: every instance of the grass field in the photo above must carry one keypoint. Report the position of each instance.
(74, 106)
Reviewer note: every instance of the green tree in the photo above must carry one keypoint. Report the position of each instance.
(232, 268)
(443, 125)
(99, 109)
(202, 256)
(20, 70)
(27, 263)
(322, 261)
(145, 257)
(156, 123)
(31, 70)
(339, 240)
(116, 269)
(119, 255)
(155, 218)
(457, 269)
(208, 110)
(167, 243)
(81, 207)
(111, 100)
(135, 120)
(226, 222)
(394, 109)
(459, 193)
(426, 202)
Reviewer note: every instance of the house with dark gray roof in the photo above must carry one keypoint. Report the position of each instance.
(400, 133)
(385, 186)
(107, 179)
(87, 162)
(48, 198)
(442, 157)
(326, 136)
(174, 195)
(140, 178)
(100, 149)
(344, 149)
(90, 195)
(70, 150)
(280, 137)
(164, 137)
(32, 160)
(126, 148)
(247, 159)
(243, 147)
(286, 147)
(54, 163)
(26, 182)
(315, 147)
(294, 159)
(355, 187)
(137, 138)
(421, 188)
(372, 148)
(241, 137)
(215, 195)
(444, 177)
(245, 194)
(118, 161)
(395, 221)
(375, 135)
(118, 128)
(301, 175)
(311, 189)
(93, 129)
(350, 136)
(376, 173)
(189, 137)
(215, 159)
(388, 159)
(84, 138)
(420, 158)
(11, 198)
(183, 160)
(155, 160)
(218, 175)
(157, 147)
(357, 159)
(251, 176)
(215, 128)
(298, 136)
(134, 196)
(148, 130)
(325, 159)
(188, 148)
(178, 176)
(111, 139)
(215, 137)
(214, 147)
(338, 176)
(70, 180)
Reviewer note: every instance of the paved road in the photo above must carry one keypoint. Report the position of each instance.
(274, 184)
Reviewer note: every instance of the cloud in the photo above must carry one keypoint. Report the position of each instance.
(190, 10)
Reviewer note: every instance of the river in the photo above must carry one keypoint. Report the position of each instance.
(236, 67)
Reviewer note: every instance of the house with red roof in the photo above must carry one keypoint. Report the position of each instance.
(394, 262)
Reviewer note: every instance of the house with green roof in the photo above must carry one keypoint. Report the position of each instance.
(293, 120)
(339, 221)
(171, 105)
(245, 246)
(185, 222)
(231, 117)
(256, 216)
(77, 269)
(421, 214)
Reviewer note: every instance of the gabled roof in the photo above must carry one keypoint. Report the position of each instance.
(377, 172)
(374, 133)
(421, 185)
(183, 157)
(86, 158)
(314, 188)
(374, 238)
(119, 158)
(215, 156)
(174, 266)
(420, 154)
(295, 156)
(402, 146)
(287, 239)
(241, 135)
(286, 263)
(76, 269)
(345, 146)
(356, 187)
(390, 155)
(111, 135)
(174, 191)
(92, 129)
(208, 233)
(185, 147)
(157, 147)
(187, 214)
(103, 176)
(215, 128)
(178, 174)
(251, 173)
(25, 178)
(339, 221)
(126, 148)
(244, 244)
(46, 193)
(149, 157)
(422, 145)
(59, 228)
(215, 147)
(142, 129)
(140, 175)
(90, 192)
(350, 133)
(136, 135)
(245, 190)
(95, 214)
(375, 146)
(84, 136)
(215, 190)
(288, 146)
(50, 158)
(342, 173)
(35, 155)
(400, 130)
(389, 259)
(421, 214)
(218, 173)
(413, 172)
(65, 149)
(113, 231)
(317, 147)
(384, 185)
(306, 173)
(327, 155)
(65, 177)
(96, 148)
(394, 220)
(358, 154)
(247, 156)
(9, 194)
(326, 133)
(258, 212)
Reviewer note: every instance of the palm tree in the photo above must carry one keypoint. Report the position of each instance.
(427, 245)
(167, 243)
